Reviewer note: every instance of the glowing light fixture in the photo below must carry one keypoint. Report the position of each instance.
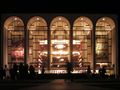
(60, 46)
(38, 18)
(76, 41)
(61, 59)
(58, 57)
(81, 18)
(60, 41)
(58, 65)
(15, 18)
(103, 19)
(75, 52)
(98, 48)
(59, 18)
(42, 42)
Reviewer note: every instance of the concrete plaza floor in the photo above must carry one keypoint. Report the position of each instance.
(59, 84)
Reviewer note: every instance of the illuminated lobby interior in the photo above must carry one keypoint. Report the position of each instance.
(84, 40)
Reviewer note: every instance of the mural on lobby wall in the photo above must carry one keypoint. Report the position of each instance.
(17, 50)
(102, 49)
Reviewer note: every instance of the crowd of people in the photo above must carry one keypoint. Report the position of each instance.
(21, 71)
(24, 71)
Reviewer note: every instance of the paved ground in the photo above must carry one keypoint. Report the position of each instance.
(62, 85)
(59, 84)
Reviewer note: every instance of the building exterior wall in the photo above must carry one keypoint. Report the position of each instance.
(71, 18)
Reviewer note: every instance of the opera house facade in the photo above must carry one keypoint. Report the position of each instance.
(53, 39)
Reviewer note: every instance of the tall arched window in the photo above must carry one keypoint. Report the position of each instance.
(38, 44)
(60, 43)
(104, 35)
(82, 28)
(14, 40)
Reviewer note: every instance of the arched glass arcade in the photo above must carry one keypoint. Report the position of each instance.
(82, 41)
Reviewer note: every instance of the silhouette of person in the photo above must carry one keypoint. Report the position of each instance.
(69, 70)
(102, 72)
(14, 71)
(43, 68)
(32, 72)
(21, 71)
(7, 74)
(26, 71)
(89, 72)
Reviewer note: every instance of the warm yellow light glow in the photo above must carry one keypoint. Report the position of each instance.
(76, 41)
(15, 18)
(75, 52)
(43, 53)
(59, 41)
(39, 71)
(42, 42)
(57, 71)
(59, 46)
(61, 59)
(98, 48)
(81, 18)
(32, 27)
(38, 18)
(58, 65)
(87, 28)
(107, 27)
(58, 57)
(102, 64)
(103, 19)
(60, 52)
(88, 32)
(60, 18)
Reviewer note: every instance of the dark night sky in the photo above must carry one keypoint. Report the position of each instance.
(62, 6)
